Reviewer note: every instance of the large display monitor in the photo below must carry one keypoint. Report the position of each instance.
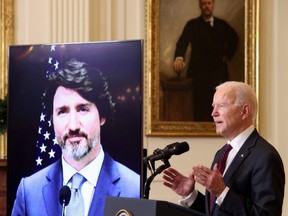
(31, 139)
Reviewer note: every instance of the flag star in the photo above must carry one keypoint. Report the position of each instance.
(55, 141)
(51, 154)
(39, 130)
(49, 123)
(38, 161)
(42, 117)
(56, 65)
(46, 135)
(50, 60)
(43, 148)
(52, 48)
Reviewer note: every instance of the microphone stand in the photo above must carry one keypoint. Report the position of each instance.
(63, 209)
(151, 166)
(64, 198)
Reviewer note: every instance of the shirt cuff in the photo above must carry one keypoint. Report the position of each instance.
(222, 196)
(179, 58)
(189, 200)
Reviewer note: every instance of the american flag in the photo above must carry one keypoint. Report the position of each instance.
(47, 148)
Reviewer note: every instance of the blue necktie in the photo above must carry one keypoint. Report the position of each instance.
(76, 205)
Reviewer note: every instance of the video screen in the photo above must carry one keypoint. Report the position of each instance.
(38, 118)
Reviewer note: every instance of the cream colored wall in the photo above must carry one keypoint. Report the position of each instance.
(124, 19)
(273, 79)
(59, 21)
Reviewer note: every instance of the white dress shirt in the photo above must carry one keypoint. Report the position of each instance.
(210, 20)
(90, 172)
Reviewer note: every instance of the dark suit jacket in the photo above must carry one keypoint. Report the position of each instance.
(206, 66)
(256, 180)
(209, 44)
(39, 193)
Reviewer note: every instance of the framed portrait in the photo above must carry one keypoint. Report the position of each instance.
(110, 78)
(170, 97)
(6, 38)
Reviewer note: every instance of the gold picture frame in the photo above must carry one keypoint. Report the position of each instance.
(7, 38)
(156, 127)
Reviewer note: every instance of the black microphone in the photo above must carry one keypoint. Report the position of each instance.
(172, 149)
(64, 197)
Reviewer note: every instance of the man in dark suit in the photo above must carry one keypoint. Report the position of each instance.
(253, 179)
(213, 44)
(79, 104)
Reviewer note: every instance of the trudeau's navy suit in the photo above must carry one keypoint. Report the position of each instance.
(256, 180)
(39, 193)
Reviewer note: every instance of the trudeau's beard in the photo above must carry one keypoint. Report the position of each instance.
(77, 150)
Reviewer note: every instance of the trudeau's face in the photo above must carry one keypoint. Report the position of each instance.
(76, 123)
(206, 7)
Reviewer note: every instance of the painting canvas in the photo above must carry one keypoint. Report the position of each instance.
(203, 48)
(171, 111)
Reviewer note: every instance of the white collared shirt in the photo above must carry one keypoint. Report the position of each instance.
(211, 20)
(90, 172)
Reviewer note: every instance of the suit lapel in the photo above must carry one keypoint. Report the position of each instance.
(51, 190)
(242, 154)
(106, 186)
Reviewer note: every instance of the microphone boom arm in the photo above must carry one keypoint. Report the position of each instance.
(151, 166)
(164, 155)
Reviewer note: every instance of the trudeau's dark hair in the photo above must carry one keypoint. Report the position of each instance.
(90, 83)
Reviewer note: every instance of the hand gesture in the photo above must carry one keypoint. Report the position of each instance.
(211, 179)
(179, 183)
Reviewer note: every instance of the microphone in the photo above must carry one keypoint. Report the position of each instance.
(166, 153)
(64, 197)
